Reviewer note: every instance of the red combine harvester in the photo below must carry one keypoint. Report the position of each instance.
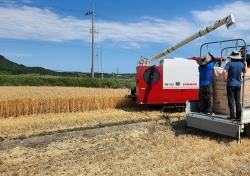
(174, 81)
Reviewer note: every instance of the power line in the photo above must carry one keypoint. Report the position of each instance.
(82, 45)
(48, 25)
(42, 43)
(78, 11)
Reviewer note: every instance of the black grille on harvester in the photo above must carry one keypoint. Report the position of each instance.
(151, 75)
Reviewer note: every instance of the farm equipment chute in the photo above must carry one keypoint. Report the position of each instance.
(229, 21)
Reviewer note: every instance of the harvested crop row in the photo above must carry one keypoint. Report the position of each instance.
(46, 123)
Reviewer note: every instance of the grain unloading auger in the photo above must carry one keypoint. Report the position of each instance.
(166, 84)
(229, 21)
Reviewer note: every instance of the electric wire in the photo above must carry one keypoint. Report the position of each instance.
(48, 25)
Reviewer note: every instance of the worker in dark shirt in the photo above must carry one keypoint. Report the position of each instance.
(232, 74)
(243, 51)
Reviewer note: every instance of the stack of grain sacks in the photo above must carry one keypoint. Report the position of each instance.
(220, 91)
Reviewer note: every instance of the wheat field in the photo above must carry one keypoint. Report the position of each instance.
(27, 111)
(155, 149)
(18, 101)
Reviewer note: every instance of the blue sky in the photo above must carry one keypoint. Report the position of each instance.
(55, 34)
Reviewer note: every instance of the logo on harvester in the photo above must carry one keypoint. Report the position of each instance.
(189, 84)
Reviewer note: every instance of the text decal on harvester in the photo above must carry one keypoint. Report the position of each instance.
(169, 84)
(189, 84)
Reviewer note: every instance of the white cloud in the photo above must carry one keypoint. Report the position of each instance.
(30, 23)
(149, 30)
(241, 12)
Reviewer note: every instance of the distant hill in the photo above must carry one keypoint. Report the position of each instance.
(9, 67)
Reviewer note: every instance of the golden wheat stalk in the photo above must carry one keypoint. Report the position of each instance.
(28, 106)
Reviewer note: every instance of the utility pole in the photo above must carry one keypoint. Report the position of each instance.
(92, 31)
(101, 62)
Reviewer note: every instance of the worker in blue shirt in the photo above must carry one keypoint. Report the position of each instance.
(207, 63)
(232, 74)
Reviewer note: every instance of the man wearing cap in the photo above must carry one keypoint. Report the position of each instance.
(232, 74)
(206, 66)
(243, 52)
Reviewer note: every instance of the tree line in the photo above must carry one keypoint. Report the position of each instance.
(13, 74)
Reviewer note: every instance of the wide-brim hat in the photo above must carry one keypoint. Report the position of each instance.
(234, 55)
(205, 59)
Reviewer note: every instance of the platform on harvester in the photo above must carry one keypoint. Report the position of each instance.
(216, 123)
